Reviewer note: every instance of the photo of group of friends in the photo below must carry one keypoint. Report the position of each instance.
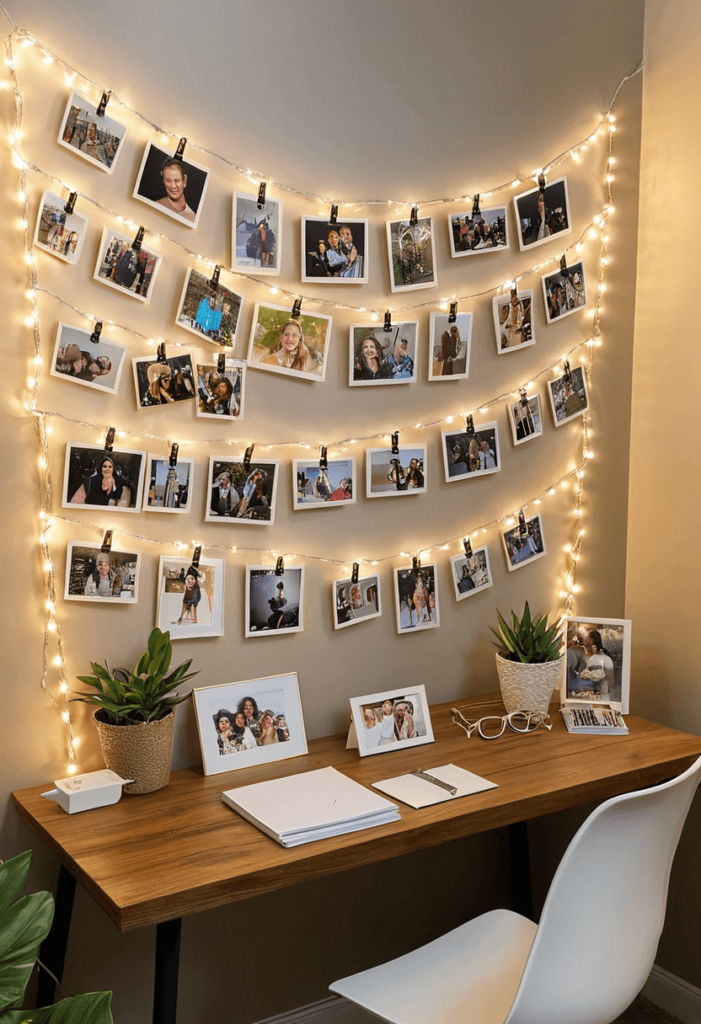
(85, 358)
(170, 482)
(512, 320)
(249, 727)
(95, 137)
(94, 573)
(568, 395)
(524, 543)
(209, 309)
(380, 356)
(256, 233)
(100, 478)
(450, 346)
(126, 265)
(242, 491)
(163, 381)
(410, 251)
(471, 453)
(393, 472)
(191, 597)
(59, 232)
(471, 572)
(390, 720)
(274, 600)
(474, 232)
(542, 212)
(525, 418)
(220, 388)
(416, 598)
(334, 252)
(293, 346)
(356, 600)
(316, 485)
(565, 291)
(598, 661)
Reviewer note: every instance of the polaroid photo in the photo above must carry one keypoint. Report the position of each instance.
(513, 320)
(58, 232)
(211, 311)
(172, 185)
(169, 483)
(410, 253)
(258, 721)
(163, 382)
(467, 455)
(471, 573)
(383, 357)
(564, 292)
(449, 347)
(317, 486)
(128, 270)
(568, 396)
(293, 347)
(98, 139)
(473, 232)
(542, 213)
(96, 477)
(334, 253)
(274, 601)
(416, 598)
(220, 389)
(108, 577)
(391, 720)
(389, 474)
(95, 363)
(597, 666)
(523, 543)
(256, 234)
(525, 418)
(190, 597)
(245, 493)
(355, 602)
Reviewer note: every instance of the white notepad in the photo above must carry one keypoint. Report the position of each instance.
(417, 792)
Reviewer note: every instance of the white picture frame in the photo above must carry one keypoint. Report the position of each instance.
(356, 601)
(199, 614)
(380, 726)
(274, 600)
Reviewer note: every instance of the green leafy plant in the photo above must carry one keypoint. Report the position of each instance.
(531, 640)
(24, 924)
(143, 695)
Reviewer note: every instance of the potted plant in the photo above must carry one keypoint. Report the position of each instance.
(135, 714)
(529, 660)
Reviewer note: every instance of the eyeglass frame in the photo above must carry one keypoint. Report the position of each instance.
(539, 717)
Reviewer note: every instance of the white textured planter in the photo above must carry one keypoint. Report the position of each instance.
(528, 687)
(139, 752)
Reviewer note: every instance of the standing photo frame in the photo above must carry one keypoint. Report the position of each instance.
(597, 666)
(390, 720)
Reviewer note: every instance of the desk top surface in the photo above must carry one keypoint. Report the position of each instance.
(181, 850)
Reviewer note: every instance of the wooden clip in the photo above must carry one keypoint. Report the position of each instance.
(247, 457)
(109, 440)
(173, 457)
(453, 314)
(70, 205)
(395, 443)
(103, 103)
(280, 566)
(323, 461)
(107, 541)
(97, 331)
(136, 244)
(354, 574)
(261, 196)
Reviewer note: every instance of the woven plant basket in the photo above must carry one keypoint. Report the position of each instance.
(141, 752)
(527, 687)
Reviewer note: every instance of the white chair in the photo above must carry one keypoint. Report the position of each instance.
(585, 961)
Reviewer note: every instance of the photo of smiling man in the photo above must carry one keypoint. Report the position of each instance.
(172, 184)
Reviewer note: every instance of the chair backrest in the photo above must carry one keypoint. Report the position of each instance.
(601, 923)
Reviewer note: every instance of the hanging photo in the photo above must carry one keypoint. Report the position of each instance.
(523, 543)
(355, 602)
(168, 486)
(334, 253)
(410, 251)
(512, 320)
(239, 492)
(208, 310)
(568, 396)
(103, 576)
(391, 474)
(95, 364)
(96, 477)
(416, 599)
(274, 600)
(542, 213)
(391, 720)
(58, 232)
(471, 573)
(163, 382)
(449, 347)
(383, 357)
(172, 185)
(564, 292)
(97, 139)
(191, 597)
(121, 266)
(220, 391)
(468, 454)
(525, 418)
(294, 347)
(597, 667)
(256, 234)
(316, 486)
(472, 233)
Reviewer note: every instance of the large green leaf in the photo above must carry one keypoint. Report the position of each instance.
(12, 875)
(91, 1008)
(23, 927)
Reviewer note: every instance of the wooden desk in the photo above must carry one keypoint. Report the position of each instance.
(153, 859)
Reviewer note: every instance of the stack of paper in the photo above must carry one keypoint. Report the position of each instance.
(314, 805)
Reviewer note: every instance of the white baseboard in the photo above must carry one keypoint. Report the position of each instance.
(334, 1010)
(673, 995)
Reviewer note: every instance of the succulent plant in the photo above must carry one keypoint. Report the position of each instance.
(530, 640)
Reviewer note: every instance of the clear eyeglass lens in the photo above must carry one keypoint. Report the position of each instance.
(492, 727)
(522, 721)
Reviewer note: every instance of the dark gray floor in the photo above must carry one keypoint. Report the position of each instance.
(642, 1011)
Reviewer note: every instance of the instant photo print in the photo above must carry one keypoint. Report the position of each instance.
(473, 453)
(597, 666)
(410, 253)
(96, 137)
(256, 234)
(160, 382)
(220, 389)
(449, 347)
(102, 478)
(125, 267)
(382, 357)
(392, 474)
(472, 233)
(102, 576)
(59, 231)
(564, 292)
(191, 597)
(355, 601)
(513, 321)
(542, 213)
(315, 485)
(568, 396)
(168, 484)
(334, 253)
(525, 418)
(292, 346)
(274, 600)
(172, 184)
(241, 492)
(209, 309)
(416, 598)
(523, 543)
(471, 573)
(81, 360)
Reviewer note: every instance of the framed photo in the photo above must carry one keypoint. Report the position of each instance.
(191, 598)
(220, 393)
(410, 252)
(471, 573)
(97, 478)
(597, 666)
(253, 722)
(169, 485)
(449, 347)
(108, 577)
(564, 292)
(468, 455)
(256, 234)
(274, 602)
(390, 475)
(568, 396)
(383, 357)
(392, 720)
(94, 364)
(471, 233)
(163, 382)
(281, 344)
(524, 544)
(128, 270)
(60, 233)
(512, 320)
(172, 185)
(334, 253)
(244, 493)
(210, 311)
(542, 213)
(416, 598)
(97, 139)
(355, 602)
(525, 418)
(316, 487)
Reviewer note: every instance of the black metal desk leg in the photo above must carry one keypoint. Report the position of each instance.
(521, 896)
(165, 993)
(53, 949)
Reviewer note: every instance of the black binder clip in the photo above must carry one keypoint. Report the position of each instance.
(354, 574)
(453, 314)
(568, 373)
(296, 308)
(214, 280)
(541, 182)
(173, 457)
(395, 443)
(70, 205)
(195, 561)
(180, 151)
(522, 397)
(261, 196)
(522, 526)
(109, 440)
(468, 547)
(564, 269)
(476, 212)
(96, 332)
(416, 565)
(103, 103)
(280, 566)
(469, 426)
(136, 244)
(323, 461)
(106, 541)
(247, 457)
(333, 216)
(388, 322)
(221, 363)
(414, 218)
(161, 353)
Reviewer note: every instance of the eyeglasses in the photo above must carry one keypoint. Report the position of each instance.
(491, 727)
